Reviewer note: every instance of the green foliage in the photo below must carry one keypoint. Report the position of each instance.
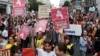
(34, 5)
(66, 3)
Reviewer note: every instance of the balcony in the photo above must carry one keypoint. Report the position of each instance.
(9, 1)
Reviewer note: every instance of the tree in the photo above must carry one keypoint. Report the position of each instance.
(66, 3)
(34, 5)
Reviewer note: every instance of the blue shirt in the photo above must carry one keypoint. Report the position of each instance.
(83, 44)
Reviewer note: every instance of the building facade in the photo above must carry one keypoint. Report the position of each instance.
(62, 2)
(89, 4)
(84, 5)
(47, 2)
(98, 6)
(5, 6)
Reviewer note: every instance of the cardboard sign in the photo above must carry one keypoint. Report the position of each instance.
(43, 11)
(74, 30)
(41, 25)
(60, 18)
(18, 7)
(24, 32)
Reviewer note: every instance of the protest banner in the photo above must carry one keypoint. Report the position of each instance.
(18, 3)
(28, 52)
(24, 31)
(60, 18)
(43, 11)
(41, 25)
(75, 30)
(18, 11)
(18, 7)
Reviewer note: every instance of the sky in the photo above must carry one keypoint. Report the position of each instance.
(55, 2)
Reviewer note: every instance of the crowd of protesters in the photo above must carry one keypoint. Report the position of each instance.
(51, 42)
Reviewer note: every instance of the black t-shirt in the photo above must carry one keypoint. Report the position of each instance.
(98, 32)
(97, 45)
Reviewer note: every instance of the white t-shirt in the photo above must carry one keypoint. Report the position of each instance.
(41, 52)
(5, 33)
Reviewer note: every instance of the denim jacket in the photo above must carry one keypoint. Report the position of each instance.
(82, 44)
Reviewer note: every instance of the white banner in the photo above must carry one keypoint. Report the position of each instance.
(92, 8)
(74, 29)
(43, 11)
